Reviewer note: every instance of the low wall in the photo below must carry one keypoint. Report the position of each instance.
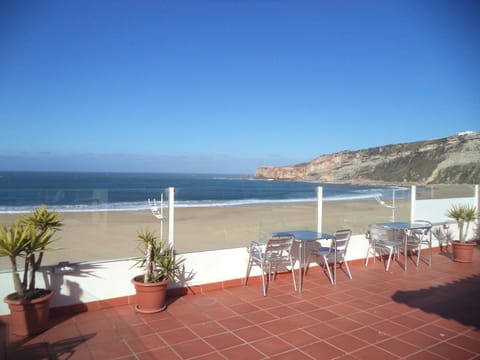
(85, 283)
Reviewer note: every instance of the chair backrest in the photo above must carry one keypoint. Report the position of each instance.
(279, 244)
(255, 250)
(341, 240)
(427, 226)
(378, 233)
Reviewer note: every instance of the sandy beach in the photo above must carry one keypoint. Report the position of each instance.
(91, 236)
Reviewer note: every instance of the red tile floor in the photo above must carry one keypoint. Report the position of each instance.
(424, 313)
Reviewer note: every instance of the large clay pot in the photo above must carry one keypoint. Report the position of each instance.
(29, 317)
(463, 252)
(150, 297)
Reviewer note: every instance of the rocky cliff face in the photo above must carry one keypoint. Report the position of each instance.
(451, 160)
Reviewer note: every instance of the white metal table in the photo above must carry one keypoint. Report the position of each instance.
(406, 227)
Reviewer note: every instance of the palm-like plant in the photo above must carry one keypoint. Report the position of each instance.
(44, 222)
(463, 215)
(28, 238)
(158, 260)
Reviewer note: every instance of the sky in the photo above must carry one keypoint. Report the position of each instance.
(229, 86)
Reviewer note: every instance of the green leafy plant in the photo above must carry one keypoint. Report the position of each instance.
(28, 239)
(158, 260)
(463, 215)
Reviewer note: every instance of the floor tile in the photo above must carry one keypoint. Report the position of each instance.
(322, 350)
(271, 346)
(398, 347)
(193, 348)
(223, 341)
(242, 352)
(450, 351)
(377, 314)
(373, 352)
(466, 343)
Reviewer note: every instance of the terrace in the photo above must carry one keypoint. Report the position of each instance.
(424, 313)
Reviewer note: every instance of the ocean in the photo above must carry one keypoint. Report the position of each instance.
(84, 191)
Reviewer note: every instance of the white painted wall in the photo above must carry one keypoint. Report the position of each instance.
(434, 210)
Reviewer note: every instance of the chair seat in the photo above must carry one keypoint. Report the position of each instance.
(321, 250)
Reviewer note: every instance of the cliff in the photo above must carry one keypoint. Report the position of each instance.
(451, 160)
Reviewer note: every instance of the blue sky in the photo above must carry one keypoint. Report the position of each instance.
(228, 86)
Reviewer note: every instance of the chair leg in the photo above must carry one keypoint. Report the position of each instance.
(389, 259)
(293, 275)
(369, 252)
(263, 281)
(275, 272)
(368, 255)
(419, 254)
(430, 254)
(348, 269)
(430, 247)
(307, 265)
(269, 273)
(249, 268)
(326, 265)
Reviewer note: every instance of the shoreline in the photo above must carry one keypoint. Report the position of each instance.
(180, 205)
(423, 192)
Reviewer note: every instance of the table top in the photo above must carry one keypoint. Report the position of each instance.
(405, 225)
(305, 235)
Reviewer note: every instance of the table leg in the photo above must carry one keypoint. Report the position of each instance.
(405, 249)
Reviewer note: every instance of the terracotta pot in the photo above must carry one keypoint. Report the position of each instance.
(462, 252)
(150, 297)
(29, 317)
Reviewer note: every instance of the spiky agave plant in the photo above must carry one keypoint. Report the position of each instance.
(158, 260)
(13, 243)
(45, 224)
(463, 214)
(28, 239)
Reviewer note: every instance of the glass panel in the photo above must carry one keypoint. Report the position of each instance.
(442, 191)
(103, 212)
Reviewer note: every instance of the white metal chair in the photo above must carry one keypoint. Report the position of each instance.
(335, 254)
(419, 238)
(277, 251)
(382, 242)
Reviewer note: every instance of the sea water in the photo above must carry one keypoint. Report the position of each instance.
(84, 191)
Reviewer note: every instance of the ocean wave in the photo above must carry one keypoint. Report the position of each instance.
(143, 205)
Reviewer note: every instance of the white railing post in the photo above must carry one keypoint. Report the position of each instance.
(171, 216)
(413, 199)
(319, 208)
(477, 199)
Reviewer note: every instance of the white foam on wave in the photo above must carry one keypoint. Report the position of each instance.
(356, 195)
(143, 205)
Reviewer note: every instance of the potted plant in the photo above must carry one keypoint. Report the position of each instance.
(160, 265)
(28, 239)
(462, 248)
